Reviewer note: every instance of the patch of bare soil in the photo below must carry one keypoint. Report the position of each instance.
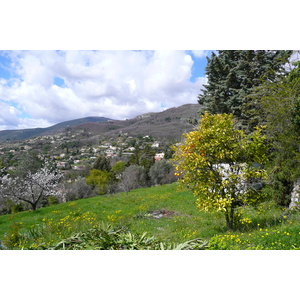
(163, 213)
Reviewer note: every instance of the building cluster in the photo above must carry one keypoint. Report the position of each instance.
(72, 152)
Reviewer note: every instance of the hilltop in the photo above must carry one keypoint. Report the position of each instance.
(23, 134)
(170, 124)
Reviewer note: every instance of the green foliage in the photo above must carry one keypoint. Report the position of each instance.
(102, 237)
(51, 200)
(231, 76)
(17, 208)
(217, 163)
(100, 180)
(118, 167)
(142, 157)
(162, 172)
(279, 110)
(13, 237)
(102, 163)
(276, 238)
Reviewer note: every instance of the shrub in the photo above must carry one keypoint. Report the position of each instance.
(217, 163)
(133, 177)
(162, 172)
(78, 189)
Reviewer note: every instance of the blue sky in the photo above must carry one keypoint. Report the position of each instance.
(42, 88)
(4, 66)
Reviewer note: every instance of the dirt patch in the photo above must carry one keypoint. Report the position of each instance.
(163, 213)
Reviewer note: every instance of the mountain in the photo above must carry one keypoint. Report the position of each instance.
(170, 123)
(22, 134)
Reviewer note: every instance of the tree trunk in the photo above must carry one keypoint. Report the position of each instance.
(33, 205)
(229, 215)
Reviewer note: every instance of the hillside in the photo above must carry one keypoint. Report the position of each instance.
(165, 212)
(22, 134)
(170, 123)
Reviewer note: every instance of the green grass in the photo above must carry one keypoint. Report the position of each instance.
(267, 227)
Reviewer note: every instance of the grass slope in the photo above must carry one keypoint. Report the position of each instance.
(267, 227)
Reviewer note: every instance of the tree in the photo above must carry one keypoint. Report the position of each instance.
(102, 163)
(231, 76)
(31, 188)
(100, 180)
(118, 168)
(279, 111)
(133, 177)
(78, 189)
(162, 172)
(217, 162)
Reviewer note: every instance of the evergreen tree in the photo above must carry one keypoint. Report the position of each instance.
(232, 74)
(279, 109)
(102, 163)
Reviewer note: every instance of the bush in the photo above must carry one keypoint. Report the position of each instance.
(99, 180)
(221, 164)
(162, 172)
(133, 177)
(78, 189)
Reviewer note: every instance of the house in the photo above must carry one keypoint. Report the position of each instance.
(159, 156)
(61, 164)
(129, 149)
(155, 145)
(78, 167)
(110, 151)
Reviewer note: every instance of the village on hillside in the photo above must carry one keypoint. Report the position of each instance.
(70, 152)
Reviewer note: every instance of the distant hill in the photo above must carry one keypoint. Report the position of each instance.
(23, 134)
(170, 123)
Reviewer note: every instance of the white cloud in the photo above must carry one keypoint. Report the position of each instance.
(8, 115)
(115, 84)
(200, 53)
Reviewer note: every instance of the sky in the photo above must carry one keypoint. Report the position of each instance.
(40, 88)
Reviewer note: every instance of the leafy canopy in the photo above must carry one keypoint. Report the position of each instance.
(217, 163)
(279, 110)
(232, 74)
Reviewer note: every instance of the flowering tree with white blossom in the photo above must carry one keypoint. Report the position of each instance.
(32, 188)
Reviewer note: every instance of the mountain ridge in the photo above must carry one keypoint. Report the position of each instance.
(156, 124)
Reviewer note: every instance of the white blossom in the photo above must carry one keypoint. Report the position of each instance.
(31, 189)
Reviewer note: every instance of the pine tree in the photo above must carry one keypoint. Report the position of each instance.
(232, 74)
(102, 163)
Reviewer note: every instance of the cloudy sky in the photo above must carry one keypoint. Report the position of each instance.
(42, 88)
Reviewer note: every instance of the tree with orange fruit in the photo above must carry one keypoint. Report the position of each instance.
(221, 165)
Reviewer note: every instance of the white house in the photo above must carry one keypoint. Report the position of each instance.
(159, 156)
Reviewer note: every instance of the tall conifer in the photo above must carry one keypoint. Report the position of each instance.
(232, 74)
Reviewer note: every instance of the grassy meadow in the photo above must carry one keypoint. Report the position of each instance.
(165, 213)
